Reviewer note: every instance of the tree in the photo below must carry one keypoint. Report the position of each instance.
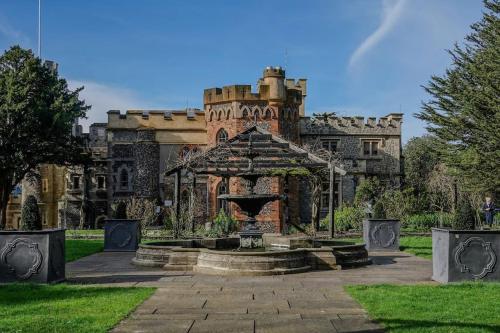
(464, 112)
(37, 111)
(420, 158)
(30, 215)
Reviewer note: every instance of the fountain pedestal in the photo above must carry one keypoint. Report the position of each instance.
(251, 205)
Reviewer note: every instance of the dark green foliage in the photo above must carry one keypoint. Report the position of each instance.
(369, 190)
(37, 112)
(464, 109)
(223, 225)
(378, 210)
(30, 215)
(465, 216)
(425, 221)
(420, 158)
(346, 218)
(121, 210)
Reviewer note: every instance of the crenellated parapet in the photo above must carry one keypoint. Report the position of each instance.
(272, 89)
(390, 124)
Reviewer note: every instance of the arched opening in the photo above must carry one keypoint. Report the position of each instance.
(124, 179)
(221, 136)
(268, 114)
(222, 188)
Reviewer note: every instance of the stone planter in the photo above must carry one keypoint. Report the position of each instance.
(381, 234)
(121, 235)
(32, 256)
(460, 255)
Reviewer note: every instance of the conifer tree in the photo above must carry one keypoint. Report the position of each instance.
(464, 109)
(30, 215)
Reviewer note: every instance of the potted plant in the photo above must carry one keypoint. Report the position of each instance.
(32, 254)
(462, 253)
(120, 233)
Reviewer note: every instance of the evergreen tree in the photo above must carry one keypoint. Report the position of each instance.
(30, 215)
(121, 210)
(464, 109)
(465, 216)
(37, 112)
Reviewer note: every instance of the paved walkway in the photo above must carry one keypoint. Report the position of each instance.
(194, 303)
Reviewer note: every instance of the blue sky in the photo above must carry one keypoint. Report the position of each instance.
(361, 57)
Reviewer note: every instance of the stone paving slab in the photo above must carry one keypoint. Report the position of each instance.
(307, 302)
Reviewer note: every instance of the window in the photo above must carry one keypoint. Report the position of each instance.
(370, 148)
(222, 204)
(325, 195)
(124, 179)
(101, 182)
(75, 182)
(330, 145)
(45, 185)
(221, 136)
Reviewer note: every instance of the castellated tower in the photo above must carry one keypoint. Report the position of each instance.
(147, 157)
(276, 107)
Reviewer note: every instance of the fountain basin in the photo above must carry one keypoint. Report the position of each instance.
(223, 259)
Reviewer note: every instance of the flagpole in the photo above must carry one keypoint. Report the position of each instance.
(39, 28)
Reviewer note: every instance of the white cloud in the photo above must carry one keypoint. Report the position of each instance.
(391, 13)
(103, 98)
(13, 35)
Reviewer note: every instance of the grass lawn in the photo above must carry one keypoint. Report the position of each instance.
(65, 308)
(457, 308)
(77, 248)
(418, 245)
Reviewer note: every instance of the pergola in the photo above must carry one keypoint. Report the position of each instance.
(260, 152)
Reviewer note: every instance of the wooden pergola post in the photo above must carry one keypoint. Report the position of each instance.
(192, 198)
(316, 201)
(331, 203)
(177, 194)
(286, 208)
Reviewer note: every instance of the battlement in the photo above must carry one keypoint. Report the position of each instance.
(187, 119)
(271, 71)
(272, 87)
(392, 122)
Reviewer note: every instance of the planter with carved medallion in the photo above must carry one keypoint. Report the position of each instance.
(381, 234)
(463, 255)
(121, 235)
(32, 256)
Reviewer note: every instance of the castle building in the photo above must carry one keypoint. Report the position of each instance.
(132, 150)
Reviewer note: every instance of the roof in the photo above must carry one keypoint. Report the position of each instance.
(255, 150)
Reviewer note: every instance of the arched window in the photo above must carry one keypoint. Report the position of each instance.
(124, 179)
(268, 114)
(221, 136)
(222, 204)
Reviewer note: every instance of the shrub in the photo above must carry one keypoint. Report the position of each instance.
(223, 224)
(120, 211)
(465, 216)
(346, 218)
(368, 190)
(30, 215)
(426, 221)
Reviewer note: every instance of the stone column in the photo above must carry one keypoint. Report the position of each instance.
(147, 159)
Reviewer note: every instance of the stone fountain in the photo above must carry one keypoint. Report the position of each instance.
(250, 203)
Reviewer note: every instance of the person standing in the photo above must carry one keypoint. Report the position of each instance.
(489, 211)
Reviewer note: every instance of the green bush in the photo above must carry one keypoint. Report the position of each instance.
(223, 225)
(426, 221)
(346, 218)
(465, 217)
(30, 215)
(120, 210)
